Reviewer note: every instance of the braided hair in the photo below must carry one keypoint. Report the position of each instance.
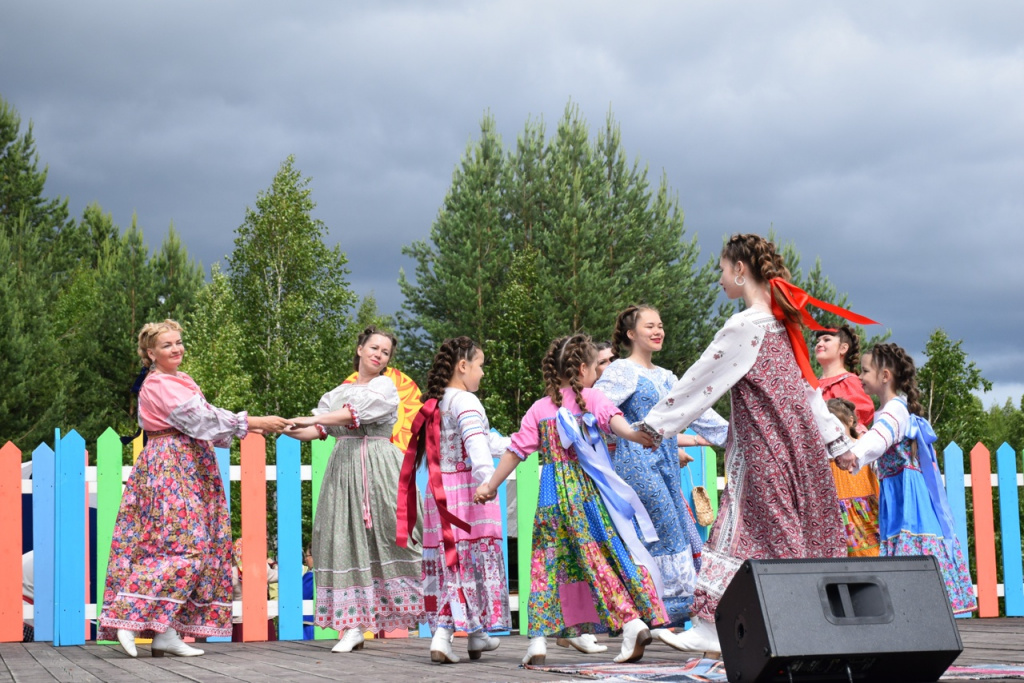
(445, 360)
(897, 361)
(846, 411)
(764, 263)
(364, 337)
(846, 335)
(562, 364)
(625, 321)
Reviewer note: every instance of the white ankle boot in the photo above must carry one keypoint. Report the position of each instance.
(537, 652)
(587, 644)
(701, 639)
(127, 640)
(480, 642)
(635, 637)
(352, 639)
(441, 647)
(168, 642)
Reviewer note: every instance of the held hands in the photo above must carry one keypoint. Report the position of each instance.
(300, 422)
(267, 424)
(484, 493)
(847, 461)
(641, 437)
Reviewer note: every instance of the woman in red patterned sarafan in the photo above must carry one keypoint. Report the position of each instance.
(780, 501)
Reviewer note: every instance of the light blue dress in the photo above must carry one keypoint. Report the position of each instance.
(654, 475)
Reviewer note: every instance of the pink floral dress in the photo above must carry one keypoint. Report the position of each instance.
(170, 559)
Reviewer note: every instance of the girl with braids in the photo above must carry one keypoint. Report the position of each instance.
(913, 511)
(364, 582)
(463, 568)
(780, 501)
(837, 352)
(589, 571)
(634, 383)
(170, 558)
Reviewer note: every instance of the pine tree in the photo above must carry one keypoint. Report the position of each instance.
(463, 267)
(293, 300)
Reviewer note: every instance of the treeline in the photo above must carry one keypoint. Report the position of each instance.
(532, 241)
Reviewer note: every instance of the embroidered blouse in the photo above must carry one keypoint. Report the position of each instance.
(463, 414)
(726, 361)
(371, 403)
(890, 427)
(176, 402)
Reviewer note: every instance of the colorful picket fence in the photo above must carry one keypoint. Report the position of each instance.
(62, 482)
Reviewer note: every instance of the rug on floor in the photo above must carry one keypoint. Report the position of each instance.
(665, 671)
(696, 670)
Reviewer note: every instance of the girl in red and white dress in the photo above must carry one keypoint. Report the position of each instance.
(464, 585)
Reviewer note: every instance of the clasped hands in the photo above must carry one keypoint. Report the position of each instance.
(847, 461)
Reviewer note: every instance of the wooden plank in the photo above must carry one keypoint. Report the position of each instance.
(70, 547)
(224, 465)
(109, 457)
(254, 538)
(43, 509)
(321, 454)
(289, 539)
(60, 667)
(527, 495)
(984, 531)
(10, 544)
(956, 494)
(1009, 524)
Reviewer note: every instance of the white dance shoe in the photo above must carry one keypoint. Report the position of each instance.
(700, 640)
(537, 652)
(635, 637)
(127, 640)
(480, 643)
(587, 644)
(441, 647)
(169, 643)
(352, 640)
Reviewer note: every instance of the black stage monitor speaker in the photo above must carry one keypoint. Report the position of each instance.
(859, 619)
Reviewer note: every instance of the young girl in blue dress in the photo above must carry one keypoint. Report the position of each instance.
(913, 512)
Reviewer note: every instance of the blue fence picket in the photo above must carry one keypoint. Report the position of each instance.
(956, 493)
(289, 539)
(70, 554)
(1009, 522)
(43, 472)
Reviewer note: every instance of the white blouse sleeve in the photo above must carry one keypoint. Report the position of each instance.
(832, 430)
(889, 427)
(371, 403)
(724, 363)
(476, 435)
(200, 420)
(618, 381)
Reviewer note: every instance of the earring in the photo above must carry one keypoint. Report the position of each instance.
(739, 280)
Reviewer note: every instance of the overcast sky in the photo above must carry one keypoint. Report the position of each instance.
(885, 138)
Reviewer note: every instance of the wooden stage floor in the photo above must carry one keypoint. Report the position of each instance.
(986, 641)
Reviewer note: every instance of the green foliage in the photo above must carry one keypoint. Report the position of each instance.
(595, 237)
(515, 340)
(947, 381)
(291, 297)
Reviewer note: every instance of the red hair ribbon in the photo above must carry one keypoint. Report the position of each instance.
(799, 298)
(429, 416)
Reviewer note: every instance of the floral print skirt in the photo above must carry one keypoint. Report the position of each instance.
(170, 559)
(582, 577)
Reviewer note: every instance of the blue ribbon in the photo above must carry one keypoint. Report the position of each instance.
(921, 431)
(621, 500)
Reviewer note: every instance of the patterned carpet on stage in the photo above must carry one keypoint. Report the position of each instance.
(714, 670)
